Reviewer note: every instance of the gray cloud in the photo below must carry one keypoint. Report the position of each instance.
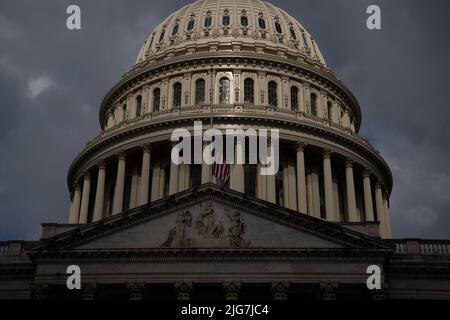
(398, 74)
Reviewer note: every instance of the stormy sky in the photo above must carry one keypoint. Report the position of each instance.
(52, 82)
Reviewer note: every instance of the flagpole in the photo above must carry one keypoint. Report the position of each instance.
(211, 115)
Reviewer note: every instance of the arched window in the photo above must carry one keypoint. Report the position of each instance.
(191, 24)
(244, 21)
(262, 23)
(161, 37)
(208, 21)
(278, 27)
(330, 110)
(175, 29)
(177, 95)
(138, 106)
(313, 104)
(273, 96)
(249, 91)
(199, 91)
(224, 91)
(294, 98)
(226, 20)
(156, 99)
(293, 35)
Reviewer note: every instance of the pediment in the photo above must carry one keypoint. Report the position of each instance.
(209, 217)
(209, 224)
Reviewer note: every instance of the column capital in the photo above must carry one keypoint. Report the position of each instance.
(89, 291)
(87, 175)
(280, 290)
(232, 290)
(328, 290)
(300, 146)
(349, 163)
(146, 148)
(183, 290)
(366, 173)
(135, 290)
(378, 184)
(327, 153)
(101, 164)
(122, 155)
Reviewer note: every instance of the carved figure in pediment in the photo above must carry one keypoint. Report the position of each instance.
(178, 234)
(207, 226)
(236, 230)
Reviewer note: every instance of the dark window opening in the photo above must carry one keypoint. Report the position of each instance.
(273, 96)
(249, 95)
(177, 95)
(156, 99)
(244, 21)
(199, 91)
(208, 21)
(294, 98)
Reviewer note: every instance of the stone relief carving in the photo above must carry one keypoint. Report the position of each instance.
(209, 229)
(207, 226)
(177, 235)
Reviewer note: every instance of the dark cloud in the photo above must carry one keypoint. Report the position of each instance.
(53, 80)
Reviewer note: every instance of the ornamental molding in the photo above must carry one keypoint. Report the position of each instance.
(297, 68)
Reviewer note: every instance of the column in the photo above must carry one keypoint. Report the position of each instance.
(351, 199)
(100, 194)
(285, 186)
(292, 187)
(368, 204)
(85, 198)
(134, 188)
(270, 180)
(301, 179)
(145, 175)
(75, 213)
(328, 186)
(173, 183)
(155, 183)
(120, 184)
(387, 219)
(181, 177)
(309, 189)
(380, 209)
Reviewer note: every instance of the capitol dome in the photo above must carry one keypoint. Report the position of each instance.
(231, 25)
(250, 65)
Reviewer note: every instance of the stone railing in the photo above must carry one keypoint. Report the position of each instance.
(422, 247)
(232, 109)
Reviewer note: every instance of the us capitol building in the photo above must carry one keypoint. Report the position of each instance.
(141, 227)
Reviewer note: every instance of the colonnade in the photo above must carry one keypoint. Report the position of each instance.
(305, 188)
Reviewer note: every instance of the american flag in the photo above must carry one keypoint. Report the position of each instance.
(220, 170)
